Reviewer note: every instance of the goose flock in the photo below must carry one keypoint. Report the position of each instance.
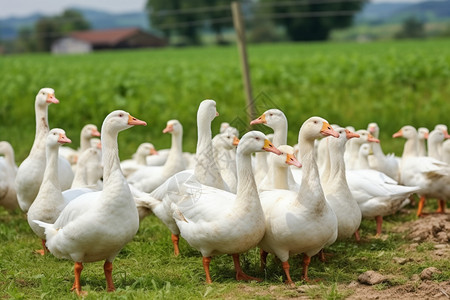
(233, 194)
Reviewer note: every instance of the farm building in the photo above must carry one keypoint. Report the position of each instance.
(123, 38)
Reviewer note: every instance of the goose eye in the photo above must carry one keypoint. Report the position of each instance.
(121, 115)
(257, 138)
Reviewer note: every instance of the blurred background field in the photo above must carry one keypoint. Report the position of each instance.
(391, 83)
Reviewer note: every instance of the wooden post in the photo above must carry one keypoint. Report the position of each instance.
(240, 33)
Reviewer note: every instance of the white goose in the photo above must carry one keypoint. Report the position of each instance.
(49, 201)
(206, 172)
(300, 222)
(87, 132)
(89, 170)
(377, 194)
(276, 119)
(352, 148)
(388, 164)
(434, 143)
(148, 178)
(446, 152)
(277, 174)
(138, 160)
(8, 171)
(95, 226)
(444, 129)
(31, 170)
(216, 222)
(422, 135)
(223, 144)
(336, 189)
(431, 175)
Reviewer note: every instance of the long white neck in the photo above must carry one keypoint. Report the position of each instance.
(42, 129)
(247, 196)
(363, 161)
(337, 179)
(278, 175)
(10, 159)
(410, 147)
(85, 143)
(206, 170)
(326, 164)
(421, 149)
(280, 134)
(110, 156)
(51, 179)
(310, 185)
(175, 160)
(433, 148)
(141, 158)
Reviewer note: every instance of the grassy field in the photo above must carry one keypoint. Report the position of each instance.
(392, 83)
(147, 269)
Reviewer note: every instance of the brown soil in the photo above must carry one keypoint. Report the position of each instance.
(433, 229)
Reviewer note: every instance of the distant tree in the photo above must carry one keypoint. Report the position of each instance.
(310, 20)
(49, 29)
(177, 17)
(25, 41)
(412, 28)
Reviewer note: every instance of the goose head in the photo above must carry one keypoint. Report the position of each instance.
(366, 136)
(57, 137)
(436, 136)
(146, 149)
(45, 96)
(227, 139)
(90, 130)
(407, 131)
(422, 133)
(119, 120)
(365, 150)
(6, 148)
(272, 118)
(373, 129)
(286, 157)
(173, 127)
(443, 128)
(255, 141)
(344, 136)
(207, 110)
(316, 127)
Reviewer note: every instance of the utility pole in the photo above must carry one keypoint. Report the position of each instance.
(240, 34)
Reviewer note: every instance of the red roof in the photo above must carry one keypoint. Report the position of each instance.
(109, 36)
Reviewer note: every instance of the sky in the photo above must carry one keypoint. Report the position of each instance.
(21, 8)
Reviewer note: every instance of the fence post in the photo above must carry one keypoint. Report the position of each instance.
(240, 34)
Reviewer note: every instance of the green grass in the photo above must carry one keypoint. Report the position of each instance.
(147, 269)
(392, 83)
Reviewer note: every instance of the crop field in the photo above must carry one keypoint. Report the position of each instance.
(391, 83)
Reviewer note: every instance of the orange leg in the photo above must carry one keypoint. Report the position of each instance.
(206, 261)
(306, 261)
(44, 249)
(240, 275)
(263, 255)
(357, 237)
(285, 265)
(420, 206)
(77, 285)
(379, 220)
(107, 267)
(441, 208)
(175, 239)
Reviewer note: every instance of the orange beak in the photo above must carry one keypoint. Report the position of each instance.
(260, 120)
(95, 132)
(235, 141)
(51, 99)
(398, 134)
(328, 130)
(63, 139)
(446, 135)
(153, 152)
(291, 160)
(426, 135)
(269, 147)
(133, 121)
(350, 134)
(371, 138)
(169, 128)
